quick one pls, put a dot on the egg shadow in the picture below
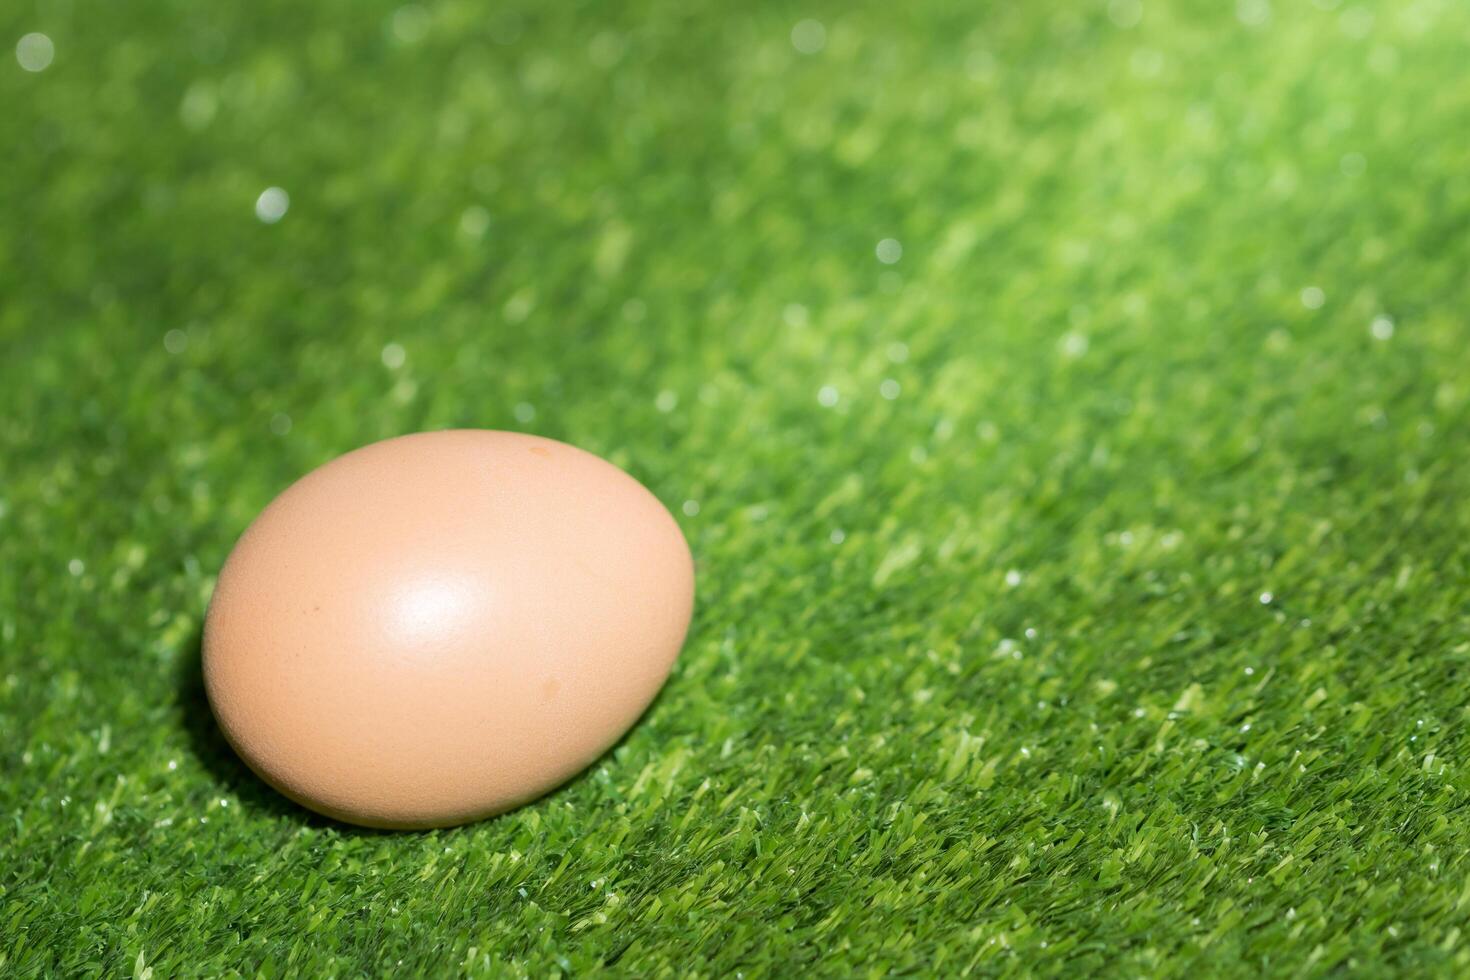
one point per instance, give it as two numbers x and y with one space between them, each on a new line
208 745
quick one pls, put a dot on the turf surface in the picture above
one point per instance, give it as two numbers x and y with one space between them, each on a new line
1084 570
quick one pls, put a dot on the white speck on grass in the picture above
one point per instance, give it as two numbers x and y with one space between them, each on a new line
1253 13
1384 59
889 389
795 315
1014 577
524 412
606 49
272 204
1146 63
1266 598
35 52
1250 671
666 401
474 221
690 508
809 36
175 341
1312 298
173 764
519 306
889 251
1381 328
1356 22
1074 345
198 106
76 567
410 23
837 536
1125 13
827 396
393 356
980 65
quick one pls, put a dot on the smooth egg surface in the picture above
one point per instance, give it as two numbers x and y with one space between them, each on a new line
443 626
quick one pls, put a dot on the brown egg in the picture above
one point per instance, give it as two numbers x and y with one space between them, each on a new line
440 627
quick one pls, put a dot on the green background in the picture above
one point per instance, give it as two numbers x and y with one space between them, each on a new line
1088 590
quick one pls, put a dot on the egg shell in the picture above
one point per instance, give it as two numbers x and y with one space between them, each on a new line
440 627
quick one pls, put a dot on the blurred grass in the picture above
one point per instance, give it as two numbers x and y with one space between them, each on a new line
1086 590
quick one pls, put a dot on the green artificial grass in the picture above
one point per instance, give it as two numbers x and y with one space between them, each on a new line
1085 589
